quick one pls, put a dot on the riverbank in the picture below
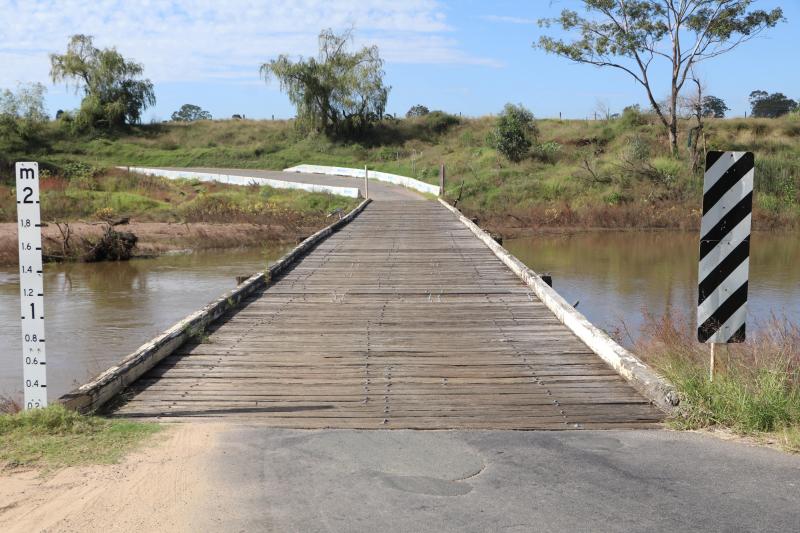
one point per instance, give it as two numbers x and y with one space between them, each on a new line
159 238
83 202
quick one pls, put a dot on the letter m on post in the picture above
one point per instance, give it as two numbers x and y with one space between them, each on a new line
26 174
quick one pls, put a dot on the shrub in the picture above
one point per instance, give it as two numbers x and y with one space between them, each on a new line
666 170
78 169
514 133
105 213
440 122
547 152
616 198
632 117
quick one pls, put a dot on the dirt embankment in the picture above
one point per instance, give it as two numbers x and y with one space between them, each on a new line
560 218
164 487
155 238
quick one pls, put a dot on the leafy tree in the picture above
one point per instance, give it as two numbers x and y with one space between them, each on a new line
114 94
417 111
22 116
630 35
713 106
772 105
190 113
339 93
514 133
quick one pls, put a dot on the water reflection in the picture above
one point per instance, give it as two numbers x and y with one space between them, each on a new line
97 313
617 275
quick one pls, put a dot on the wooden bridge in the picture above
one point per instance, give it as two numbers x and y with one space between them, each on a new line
401 319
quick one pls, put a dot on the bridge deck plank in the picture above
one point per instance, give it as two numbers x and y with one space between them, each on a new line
402 319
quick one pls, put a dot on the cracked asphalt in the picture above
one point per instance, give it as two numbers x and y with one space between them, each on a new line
402 480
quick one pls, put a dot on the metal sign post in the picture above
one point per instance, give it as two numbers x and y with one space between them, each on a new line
725 249
31 285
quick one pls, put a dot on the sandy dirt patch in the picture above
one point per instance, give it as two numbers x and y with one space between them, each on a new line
165 486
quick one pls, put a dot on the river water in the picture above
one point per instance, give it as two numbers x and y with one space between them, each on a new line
98 313
618 276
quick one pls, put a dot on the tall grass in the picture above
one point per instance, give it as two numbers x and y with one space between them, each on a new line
756 389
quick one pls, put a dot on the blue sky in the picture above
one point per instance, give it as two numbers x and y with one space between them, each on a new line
464 56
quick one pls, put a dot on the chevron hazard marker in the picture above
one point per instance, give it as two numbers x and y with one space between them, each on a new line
725 247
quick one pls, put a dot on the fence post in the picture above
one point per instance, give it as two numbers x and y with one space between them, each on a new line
366 182
441 180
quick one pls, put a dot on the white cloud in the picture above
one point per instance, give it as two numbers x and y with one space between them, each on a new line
204 40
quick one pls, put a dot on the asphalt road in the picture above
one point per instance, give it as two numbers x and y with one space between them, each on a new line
377 190
352 481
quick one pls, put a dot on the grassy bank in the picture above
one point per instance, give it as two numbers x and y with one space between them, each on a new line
56 437
755 392
76 201
604 173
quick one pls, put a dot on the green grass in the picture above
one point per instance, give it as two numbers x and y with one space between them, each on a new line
595 173
756 388
55 437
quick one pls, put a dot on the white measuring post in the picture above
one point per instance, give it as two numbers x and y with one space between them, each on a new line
31 285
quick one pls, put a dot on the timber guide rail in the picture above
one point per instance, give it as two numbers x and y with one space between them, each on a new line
401 318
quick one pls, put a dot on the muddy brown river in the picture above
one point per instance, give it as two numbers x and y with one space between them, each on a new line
618 276
98 313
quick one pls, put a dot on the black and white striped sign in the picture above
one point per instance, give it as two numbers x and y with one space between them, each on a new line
725 247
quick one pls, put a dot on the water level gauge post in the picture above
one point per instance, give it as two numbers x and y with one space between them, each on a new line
31 286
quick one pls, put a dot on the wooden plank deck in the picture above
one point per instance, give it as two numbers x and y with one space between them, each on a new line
402 319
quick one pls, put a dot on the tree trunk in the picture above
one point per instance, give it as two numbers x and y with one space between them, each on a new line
673 136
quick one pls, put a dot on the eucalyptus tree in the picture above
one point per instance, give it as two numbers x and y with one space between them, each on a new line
635 35
190 113
339 93
713 106
114 93
766 105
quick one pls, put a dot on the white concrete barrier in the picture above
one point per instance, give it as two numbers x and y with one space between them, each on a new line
351 192
396 179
